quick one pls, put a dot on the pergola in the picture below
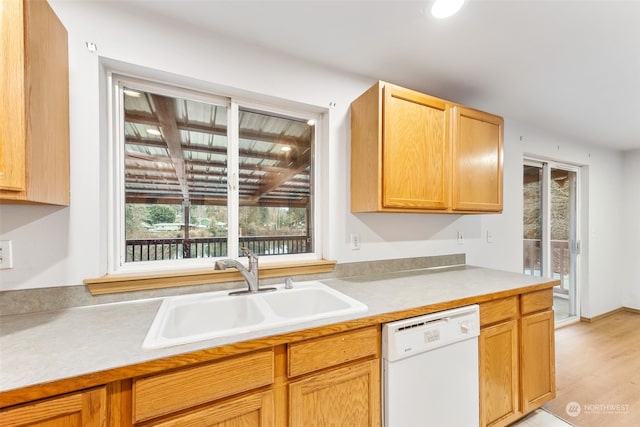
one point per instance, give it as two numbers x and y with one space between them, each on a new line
176 153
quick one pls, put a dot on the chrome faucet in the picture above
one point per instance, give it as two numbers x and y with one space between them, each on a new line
251 275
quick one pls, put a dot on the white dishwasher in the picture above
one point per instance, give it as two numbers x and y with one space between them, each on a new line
430 370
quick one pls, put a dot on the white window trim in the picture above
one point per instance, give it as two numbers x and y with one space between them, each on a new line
115 241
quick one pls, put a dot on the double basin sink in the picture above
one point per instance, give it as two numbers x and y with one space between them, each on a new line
198 317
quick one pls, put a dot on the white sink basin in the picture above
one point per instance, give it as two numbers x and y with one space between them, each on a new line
198 317
214 314
306 302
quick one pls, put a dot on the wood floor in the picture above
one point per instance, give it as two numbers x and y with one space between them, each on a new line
598 372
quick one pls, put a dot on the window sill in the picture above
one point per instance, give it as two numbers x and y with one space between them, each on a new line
111 284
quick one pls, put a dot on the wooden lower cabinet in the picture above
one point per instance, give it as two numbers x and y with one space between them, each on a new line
538 360
83 409
181 389
255 410
347 396
329 380
499 374
326 380
517 357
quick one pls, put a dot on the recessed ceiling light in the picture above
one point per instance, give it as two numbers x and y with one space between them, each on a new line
445 8
133 93
155 132
285 148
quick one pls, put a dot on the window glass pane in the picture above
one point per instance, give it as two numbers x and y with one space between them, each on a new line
532 220
175 177
275 155
562 224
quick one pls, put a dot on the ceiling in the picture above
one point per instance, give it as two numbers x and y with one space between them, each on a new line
176 151
569 68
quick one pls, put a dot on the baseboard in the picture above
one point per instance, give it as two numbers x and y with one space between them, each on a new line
609 313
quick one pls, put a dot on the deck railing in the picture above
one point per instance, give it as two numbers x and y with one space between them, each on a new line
559 258
212 247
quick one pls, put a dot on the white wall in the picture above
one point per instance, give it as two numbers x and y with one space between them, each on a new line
631 233
601 274
63 246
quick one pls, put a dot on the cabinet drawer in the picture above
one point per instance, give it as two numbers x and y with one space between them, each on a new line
536 301
168 392
498 310
319 353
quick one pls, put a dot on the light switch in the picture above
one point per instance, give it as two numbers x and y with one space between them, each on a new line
355 241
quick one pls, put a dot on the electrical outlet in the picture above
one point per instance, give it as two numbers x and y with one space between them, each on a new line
6 255
355 241
489 237
460 238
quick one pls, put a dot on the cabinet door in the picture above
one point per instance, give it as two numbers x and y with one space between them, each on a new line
34 118
343 397
538 360
86 409
477 161
415 150
256 410
498 347
12 113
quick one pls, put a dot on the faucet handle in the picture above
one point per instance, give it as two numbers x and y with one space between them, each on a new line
247 252
288 283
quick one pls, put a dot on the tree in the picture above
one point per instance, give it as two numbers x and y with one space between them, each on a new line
161 213
135 220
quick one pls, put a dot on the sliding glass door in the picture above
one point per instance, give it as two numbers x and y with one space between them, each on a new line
550 222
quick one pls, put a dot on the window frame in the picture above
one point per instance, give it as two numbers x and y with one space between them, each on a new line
234 101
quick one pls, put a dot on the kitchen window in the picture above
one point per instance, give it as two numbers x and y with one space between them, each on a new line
196 176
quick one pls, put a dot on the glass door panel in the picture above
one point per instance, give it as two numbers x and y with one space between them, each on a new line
550 223
563 237
532 220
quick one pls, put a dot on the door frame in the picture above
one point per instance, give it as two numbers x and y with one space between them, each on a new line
575 240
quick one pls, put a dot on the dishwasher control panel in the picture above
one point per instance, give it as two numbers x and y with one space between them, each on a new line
424 333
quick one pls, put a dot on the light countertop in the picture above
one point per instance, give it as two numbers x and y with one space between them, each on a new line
43 347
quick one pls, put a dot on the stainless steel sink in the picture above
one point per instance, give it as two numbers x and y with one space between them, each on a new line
197 317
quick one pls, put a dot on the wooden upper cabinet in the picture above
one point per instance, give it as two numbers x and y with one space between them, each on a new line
412 152
12 118
399 151
34 118
477 161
